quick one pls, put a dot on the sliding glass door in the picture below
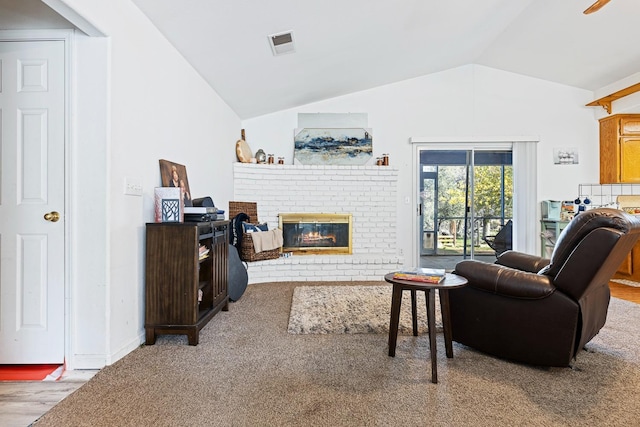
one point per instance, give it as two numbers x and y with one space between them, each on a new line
466 204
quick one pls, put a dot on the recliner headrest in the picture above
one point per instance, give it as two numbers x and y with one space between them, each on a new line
582 225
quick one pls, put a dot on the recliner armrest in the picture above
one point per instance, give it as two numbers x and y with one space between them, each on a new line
505 281
522 261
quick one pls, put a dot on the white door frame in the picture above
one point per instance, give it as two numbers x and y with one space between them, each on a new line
524 181
67 37
87 338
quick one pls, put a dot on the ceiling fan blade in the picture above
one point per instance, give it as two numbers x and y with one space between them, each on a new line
596 6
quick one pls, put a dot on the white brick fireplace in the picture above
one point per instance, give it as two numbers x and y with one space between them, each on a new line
369 193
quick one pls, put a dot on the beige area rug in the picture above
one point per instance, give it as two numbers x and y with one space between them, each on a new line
353 310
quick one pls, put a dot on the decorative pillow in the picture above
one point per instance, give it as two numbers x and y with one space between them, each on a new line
250 228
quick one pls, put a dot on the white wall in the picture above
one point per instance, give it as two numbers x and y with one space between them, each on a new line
88 291
469 101
157 107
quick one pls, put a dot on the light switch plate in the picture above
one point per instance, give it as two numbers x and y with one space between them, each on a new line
133 186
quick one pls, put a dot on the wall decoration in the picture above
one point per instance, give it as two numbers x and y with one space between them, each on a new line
565 156
327 146
169 204
175 175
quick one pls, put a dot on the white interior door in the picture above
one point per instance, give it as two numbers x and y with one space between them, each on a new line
32 122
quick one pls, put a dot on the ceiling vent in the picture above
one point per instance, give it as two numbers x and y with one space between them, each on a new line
282 43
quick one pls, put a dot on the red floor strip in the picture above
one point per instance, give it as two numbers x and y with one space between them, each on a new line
26 372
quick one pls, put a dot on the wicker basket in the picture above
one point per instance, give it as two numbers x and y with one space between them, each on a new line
250 208
247 253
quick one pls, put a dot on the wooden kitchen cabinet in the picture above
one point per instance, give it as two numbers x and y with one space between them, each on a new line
620 149
630 267
186 277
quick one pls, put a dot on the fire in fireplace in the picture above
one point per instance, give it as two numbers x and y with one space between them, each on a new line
316 233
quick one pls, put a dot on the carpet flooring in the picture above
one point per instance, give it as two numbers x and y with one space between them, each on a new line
248 370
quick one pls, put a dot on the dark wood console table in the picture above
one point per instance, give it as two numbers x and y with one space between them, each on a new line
186 277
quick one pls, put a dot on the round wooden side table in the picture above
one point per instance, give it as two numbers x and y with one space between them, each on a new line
451 281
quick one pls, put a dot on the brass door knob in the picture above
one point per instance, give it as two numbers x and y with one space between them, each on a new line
52 216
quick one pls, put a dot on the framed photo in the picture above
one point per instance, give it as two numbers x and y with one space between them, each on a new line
168 204
175 175
565 156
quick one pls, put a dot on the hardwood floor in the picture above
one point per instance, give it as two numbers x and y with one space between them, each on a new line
629 293
21 403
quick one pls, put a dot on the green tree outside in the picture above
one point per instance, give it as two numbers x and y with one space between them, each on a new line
488 202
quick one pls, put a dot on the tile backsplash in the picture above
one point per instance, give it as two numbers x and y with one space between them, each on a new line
606 194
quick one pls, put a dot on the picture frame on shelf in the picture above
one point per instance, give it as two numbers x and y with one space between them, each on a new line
175 175
169 204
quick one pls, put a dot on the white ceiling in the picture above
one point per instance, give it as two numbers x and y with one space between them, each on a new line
345 46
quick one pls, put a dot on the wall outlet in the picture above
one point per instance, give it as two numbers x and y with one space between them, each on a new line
133 186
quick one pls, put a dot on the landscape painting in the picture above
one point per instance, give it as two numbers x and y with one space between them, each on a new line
339 146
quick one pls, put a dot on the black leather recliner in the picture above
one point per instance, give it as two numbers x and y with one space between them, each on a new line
539 311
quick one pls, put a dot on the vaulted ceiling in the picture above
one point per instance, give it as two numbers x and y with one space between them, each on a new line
345 46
